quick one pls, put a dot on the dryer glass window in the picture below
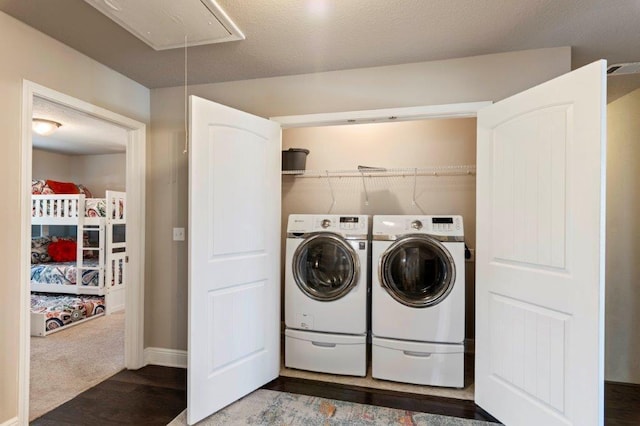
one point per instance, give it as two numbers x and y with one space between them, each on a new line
417 271
325 267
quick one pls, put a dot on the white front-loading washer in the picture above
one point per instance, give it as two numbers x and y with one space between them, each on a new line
418 299
326 269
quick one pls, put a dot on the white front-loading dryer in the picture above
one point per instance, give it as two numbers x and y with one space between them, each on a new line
418 299
326 292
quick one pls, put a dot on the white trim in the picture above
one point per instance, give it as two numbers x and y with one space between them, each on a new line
135 184
460 110
10 422
165 357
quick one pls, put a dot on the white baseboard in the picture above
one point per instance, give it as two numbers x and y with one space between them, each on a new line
10 422
165 357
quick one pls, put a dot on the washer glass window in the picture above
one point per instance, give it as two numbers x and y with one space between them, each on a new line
325 267
417 271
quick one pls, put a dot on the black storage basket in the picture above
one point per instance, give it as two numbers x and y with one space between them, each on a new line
294 159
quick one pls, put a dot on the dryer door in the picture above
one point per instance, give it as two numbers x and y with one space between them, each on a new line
325 267
417 271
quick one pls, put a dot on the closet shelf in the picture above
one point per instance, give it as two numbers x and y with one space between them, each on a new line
467 170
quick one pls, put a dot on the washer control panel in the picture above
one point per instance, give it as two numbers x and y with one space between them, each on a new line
350 222
445 224
346 225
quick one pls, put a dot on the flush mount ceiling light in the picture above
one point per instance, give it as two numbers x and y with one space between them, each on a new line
44 127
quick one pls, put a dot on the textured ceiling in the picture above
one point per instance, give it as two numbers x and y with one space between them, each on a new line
287 37
80 134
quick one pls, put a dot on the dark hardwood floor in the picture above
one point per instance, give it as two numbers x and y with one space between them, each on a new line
156 395
384 398
150 396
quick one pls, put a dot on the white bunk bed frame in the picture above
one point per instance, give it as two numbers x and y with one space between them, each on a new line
69 209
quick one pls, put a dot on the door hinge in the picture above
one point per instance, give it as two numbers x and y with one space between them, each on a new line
126 259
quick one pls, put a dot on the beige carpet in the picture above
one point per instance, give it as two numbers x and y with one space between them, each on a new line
66 363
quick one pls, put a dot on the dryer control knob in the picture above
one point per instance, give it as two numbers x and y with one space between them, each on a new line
325 223
416 224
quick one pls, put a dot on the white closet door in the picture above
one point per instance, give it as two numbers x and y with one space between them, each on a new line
234 255
540 253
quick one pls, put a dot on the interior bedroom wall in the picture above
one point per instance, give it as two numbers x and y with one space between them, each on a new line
96 172
102 172
51 165
29 54
480 78
622 310
406 144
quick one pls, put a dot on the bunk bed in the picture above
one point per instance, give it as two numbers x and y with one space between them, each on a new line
88 278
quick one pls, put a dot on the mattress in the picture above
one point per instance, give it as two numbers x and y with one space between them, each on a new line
64 273
63 310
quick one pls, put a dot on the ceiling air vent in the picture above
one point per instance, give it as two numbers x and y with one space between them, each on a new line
163 24
620 69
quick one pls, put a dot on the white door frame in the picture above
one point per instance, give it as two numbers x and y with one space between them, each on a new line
135 187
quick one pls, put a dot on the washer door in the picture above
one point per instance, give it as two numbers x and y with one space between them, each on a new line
325 267
417 271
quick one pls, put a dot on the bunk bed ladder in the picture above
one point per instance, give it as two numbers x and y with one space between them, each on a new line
81 228
116 252
79 212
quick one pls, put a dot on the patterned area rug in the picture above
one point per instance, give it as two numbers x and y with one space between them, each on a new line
267 407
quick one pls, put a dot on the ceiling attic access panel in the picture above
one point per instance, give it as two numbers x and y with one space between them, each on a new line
164 24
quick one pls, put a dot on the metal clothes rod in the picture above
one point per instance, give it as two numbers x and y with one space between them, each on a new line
403 172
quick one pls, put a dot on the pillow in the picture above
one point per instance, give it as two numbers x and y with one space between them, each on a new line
63 187
40 250
36 186
63 250
84 190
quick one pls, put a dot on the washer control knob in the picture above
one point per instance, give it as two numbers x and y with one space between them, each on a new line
325 223
416 224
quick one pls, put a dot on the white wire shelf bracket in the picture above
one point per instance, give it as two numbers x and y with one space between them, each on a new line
372 172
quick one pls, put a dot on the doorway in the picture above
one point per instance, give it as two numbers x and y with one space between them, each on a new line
135 135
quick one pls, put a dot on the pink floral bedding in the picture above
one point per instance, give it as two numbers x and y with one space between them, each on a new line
94 207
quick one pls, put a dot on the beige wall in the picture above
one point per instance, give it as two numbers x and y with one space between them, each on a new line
50 165
96 172
409 144
622 355
102 172
28 54
481 78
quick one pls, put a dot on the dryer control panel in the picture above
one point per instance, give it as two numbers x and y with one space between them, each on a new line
432 225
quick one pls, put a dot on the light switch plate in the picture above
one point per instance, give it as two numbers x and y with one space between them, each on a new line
178 234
